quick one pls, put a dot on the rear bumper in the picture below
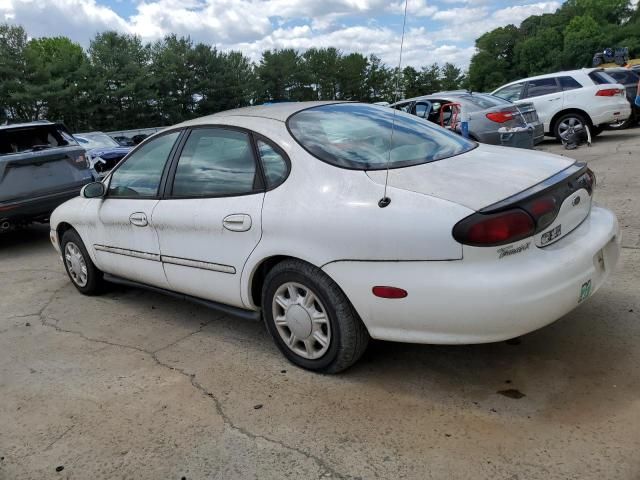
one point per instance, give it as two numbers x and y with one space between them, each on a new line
483 299
613 114
493 137
35 208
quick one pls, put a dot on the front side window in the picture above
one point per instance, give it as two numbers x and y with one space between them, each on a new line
358 136
274 165
215 162
140 174
510 92
542 86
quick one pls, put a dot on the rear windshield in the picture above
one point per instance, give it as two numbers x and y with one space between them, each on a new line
96 140
600 78
485 101
32 138
358 136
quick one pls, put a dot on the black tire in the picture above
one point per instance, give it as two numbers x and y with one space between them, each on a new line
94 277
349 337
567 117
596 130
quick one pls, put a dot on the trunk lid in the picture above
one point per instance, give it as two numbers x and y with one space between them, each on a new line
479 178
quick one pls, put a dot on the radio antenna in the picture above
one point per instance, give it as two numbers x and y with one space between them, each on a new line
385 200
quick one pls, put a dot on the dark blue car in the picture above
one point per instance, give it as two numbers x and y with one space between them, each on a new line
103 152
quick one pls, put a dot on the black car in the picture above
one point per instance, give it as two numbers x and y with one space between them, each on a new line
41 166
629 79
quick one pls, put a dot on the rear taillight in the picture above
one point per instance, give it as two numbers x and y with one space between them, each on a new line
543 210
500 117
587 181
610 92
484 230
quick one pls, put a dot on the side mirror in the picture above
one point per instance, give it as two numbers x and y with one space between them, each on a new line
93 190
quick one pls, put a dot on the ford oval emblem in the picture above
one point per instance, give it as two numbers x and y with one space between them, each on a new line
576 201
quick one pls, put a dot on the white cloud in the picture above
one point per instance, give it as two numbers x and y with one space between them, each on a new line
366 26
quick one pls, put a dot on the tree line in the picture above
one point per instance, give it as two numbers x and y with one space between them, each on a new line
564 40
120 82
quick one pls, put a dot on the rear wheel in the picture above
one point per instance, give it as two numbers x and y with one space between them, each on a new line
568 123
84 275
310 319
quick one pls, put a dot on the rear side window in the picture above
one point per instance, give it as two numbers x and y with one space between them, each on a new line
510 92
140 174
33 138
215 162
542 86
358 136
274 164
569 83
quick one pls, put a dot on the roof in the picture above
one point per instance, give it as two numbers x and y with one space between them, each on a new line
274 111
26 124
452 93
581 71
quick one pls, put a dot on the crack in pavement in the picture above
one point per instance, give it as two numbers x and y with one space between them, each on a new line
326 470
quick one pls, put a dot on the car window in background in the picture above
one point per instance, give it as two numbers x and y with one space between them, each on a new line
96 140
140 174
625 77
33 137
511 92
422 109
358 136
215 162
542 86
274 164
569 83
404 107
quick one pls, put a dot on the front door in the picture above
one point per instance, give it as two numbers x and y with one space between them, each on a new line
211 217
125 240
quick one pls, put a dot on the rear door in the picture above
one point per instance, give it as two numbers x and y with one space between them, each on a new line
546 94
210 219
37 160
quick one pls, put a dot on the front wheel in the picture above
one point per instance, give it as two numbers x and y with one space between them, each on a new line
84 275
310 319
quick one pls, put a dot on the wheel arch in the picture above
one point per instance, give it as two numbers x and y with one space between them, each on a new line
564 111
260 271
61 228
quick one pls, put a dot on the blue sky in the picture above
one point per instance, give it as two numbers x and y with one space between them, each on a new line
437 30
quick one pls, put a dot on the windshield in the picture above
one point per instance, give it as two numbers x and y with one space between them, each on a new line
96 140
357 136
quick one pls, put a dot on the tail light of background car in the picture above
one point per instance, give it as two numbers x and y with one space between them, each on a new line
500 117
611 92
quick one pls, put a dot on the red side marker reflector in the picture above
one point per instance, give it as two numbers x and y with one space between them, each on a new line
389 292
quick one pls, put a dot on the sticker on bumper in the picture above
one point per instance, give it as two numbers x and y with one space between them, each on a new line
585 291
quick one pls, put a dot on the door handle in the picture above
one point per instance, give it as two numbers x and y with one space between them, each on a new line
554 99
237 222
138 219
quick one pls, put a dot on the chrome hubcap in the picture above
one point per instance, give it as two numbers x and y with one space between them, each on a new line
301 320
570 124
75 264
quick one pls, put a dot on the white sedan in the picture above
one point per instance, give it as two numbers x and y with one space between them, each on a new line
280 212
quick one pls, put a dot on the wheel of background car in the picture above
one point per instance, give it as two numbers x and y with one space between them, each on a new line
83 273
310 319
596 130
568 121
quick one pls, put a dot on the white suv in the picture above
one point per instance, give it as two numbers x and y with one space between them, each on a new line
571 99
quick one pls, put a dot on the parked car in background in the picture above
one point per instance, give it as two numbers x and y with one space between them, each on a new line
571 100
629 79
41 166
124 141
278 212
103 152
487 113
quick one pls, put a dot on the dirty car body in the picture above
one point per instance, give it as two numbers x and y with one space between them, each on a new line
275 211
41 166
487 113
